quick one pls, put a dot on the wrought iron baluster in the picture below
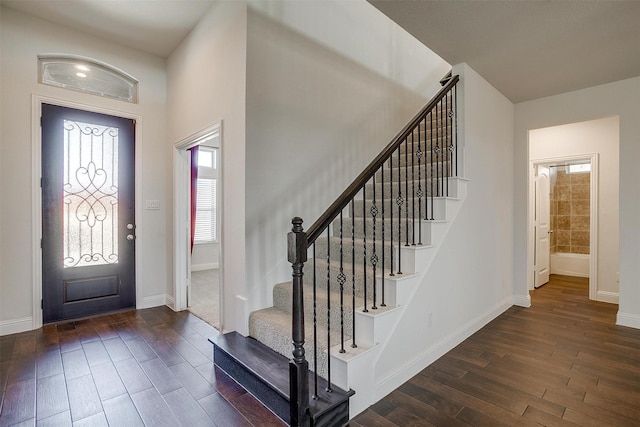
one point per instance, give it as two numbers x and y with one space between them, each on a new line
382 304
455 117
419 156
399 202
328 388
432 184
374 256
341 279
413 189
353 273
315 328
449 144
364 245
392 270
406 188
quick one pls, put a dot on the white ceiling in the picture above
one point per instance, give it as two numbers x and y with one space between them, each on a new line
529 49
153 26
526 49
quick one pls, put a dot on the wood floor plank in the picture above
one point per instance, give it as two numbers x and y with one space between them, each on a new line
49 363
153 410
132 375
222 412
75 364
192 380
117 349
62 419
19 403
83 397
121 412
161 377
51 395
107 381
186 410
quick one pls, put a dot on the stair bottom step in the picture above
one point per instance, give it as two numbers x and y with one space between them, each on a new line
265 374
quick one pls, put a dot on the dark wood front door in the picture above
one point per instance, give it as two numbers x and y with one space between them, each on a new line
88 199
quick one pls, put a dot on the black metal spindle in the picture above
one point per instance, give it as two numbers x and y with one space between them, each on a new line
413 190
419 156
374 256
431 164
448 142
382 304
406 188
353 274
364 245
455 116
399 202
341 280
392 270
315 328
328 388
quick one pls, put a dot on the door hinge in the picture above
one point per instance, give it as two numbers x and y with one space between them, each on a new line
41 182
42 304
40 243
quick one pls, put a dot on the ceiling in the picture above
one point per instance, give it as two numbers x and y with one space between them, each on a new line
153 26
526 49
529 49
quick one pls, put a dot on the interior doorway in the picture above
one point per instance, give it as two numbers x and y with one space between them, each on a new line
585 154
197 225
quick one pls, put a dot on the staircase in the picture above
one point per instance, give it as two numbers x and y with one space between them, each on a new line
366 257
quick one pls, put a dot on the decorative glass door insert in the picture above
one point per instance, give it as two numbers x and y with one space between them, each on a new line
90 194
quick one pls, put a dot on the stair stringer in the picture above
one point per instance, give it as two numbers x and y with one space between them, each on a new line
355 368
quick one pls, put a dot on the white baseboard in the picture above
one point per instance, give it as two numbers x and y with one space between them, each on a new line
628 319
155 301
522 300
201 267
607 296
14 326
171 302
436 351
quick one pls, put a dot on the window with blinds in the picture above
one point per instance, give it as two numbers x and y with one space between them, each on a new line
206 211
206 198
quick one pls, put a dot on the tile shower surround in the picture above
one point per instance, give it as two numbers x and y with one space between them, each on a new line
570 216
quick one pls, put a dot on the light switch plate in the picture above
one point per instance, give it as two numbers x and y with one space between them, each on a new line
153 204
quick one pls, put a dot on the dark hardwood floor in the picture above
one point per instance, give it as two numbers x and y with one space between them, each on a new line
561 362
148 367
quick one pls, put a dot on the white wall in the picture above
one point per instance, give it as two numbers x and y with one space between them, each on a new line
600 137
206 85
328 85
22 39
205 256
469 281
614 99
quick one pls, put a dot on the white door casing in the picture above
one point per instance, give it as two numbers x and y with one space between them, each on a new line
542 226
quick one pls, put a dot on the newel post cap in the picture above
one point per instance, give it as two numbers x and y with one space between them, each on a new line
297 242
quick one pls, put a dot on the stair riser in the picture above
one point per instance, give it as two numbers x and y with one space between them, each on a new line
334 285
282 297
281 343
389 232
349 252
440 170
408 209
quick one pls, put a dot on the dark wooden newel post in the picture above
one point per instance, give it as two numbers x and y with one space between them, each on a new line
298 366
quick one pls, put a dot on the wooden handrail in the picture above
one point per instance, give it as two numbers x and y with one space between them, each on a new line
336 207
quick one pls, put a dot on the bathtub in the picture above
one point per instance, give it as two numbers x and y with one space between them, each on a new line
569 264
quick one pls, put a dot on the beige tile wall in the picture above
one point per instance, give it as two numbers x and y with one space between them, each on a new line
570 216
